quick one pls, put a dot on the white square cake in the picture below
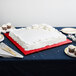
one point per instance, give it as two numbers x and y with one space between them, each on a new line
37 36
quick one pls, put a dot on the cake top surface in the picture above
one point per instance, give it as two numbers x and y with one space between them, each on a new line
37 33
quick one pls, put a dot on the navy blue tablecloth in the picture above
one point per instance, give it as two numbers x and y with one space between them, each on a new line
50 61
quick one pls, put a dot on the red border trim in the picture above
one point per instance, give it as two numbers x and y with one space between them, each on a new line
35 50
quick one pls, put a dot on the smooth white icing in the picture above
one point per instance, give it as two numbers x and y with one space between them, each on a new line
37 36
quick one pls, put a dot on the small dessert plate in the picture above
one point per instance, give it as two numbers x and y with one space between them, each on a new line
1 37
68 30
68 53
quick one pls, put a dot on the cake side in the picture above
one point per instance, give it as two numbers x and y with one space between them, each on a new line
35 37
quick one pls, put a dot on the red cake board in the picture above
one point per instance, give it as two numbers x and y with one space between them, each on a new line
25 52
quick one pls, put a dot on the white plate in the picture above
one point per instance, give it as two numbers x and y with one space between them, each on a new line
68 53
68 30
1 37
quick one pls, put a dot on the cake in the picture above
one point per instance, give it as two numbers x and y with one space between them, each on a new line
75 51
4 27
37 36
8 25
71 48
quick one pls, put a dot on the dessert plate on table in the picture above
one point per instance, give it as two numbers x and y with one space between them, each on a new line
1 37
68 53
68 30
25 52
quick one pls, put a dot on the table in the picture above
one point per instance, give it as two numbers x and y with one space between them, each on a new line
48 62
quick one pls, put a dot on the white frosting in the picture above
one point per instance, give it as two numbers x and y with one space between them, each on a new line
8 24
4 25
37 36
71 46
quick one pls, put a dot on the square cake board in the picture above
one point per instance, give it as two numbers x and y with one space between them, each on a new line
25 52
